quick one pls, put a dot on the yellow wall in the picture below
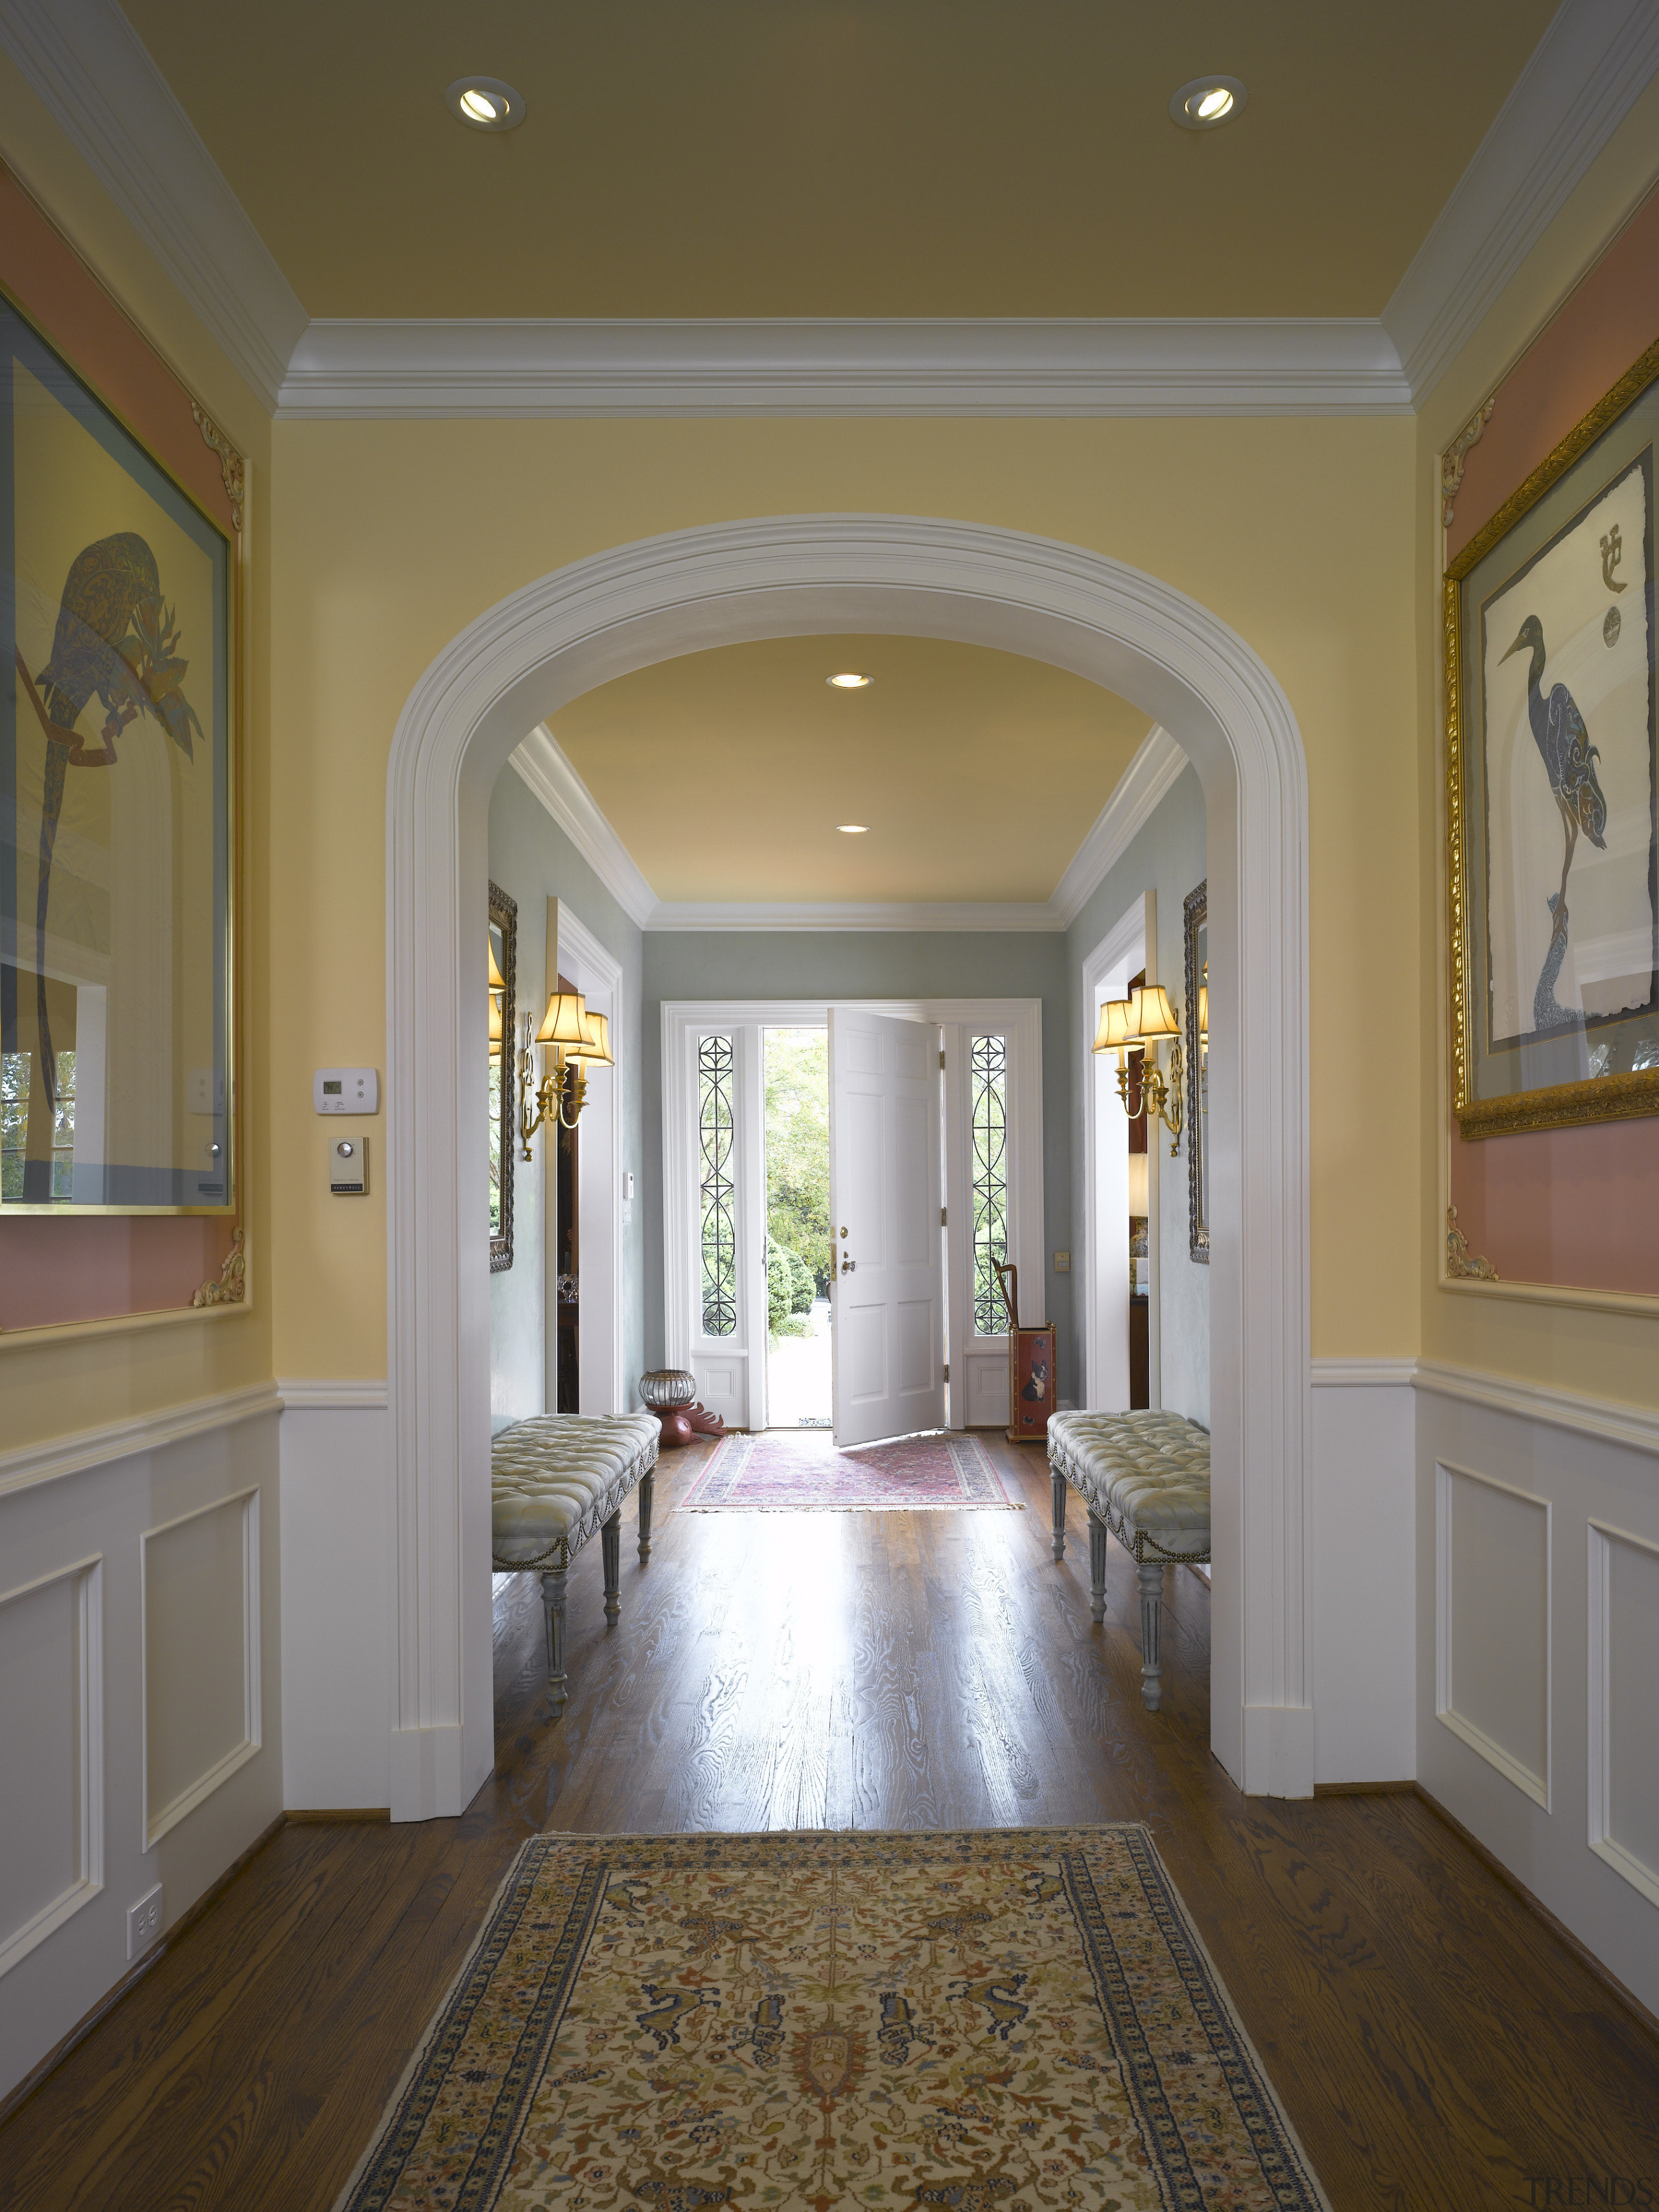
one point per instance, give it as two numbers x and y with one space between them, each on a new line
372 544
79 1379
1569 1344
388 537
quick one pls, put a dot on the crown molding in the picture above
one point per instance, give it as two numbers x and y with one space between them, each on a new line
824 366
97 81
993 915
1587 71
1142 784
541 763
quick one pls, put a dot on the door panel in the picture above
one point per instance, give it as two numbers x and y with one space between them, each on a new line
885 1173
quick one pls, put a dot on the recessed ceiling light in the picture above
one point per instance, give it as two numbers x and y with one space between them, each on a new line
847 681
854 829
1207 102
485 103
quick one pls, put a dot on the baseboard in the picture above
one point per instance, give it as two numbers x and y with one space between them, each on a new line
1345 1789
1581 1950
136 1972
331 1812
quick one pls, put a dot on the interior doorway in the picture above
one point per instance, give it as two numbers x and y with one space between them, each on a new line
565 1303
795 1079
784 576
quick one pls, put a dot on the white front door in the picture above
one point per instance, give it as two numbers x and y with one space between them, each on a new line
887 1299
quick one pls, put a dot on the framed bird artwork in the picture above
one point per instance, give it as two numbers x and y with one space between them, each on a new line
117 593
1553 781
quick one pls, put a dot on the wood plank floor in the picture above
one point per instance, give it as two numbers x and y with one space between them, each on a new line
1435 2044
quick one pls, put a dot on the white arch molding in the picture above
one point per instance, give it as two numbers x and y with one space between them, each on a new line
792 576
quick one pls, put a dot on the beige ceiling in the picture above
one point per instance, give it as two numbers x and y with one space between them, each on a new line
727 773
842 157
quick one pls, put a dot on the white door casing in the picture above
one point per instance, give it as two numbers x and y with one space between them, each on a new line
1127 947
888 1295
633 605
601 1388
977 1394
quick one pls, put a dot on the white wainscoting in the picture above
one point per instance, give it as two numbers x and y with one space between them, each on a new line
140 1716
338 1528
1537 1580
1364 1572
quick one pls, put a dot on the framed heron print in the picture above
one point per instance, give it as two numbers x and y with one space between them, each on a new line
1552 786
118 607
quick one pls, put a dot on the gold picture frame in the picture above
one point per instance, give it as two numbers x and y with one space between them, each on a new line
189 1164
1592 1055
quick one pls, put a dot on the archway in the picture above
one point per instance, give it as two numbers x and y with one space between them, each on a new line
791 576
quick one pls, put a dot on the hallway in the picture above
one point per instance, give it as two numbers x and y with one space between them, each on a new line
1434 2044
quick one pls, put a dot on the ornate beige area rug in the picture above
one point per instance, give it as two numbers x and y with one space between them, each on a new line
1002 2021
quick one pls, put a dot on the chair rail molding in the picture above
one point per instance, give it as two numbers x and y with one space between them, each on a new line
26 1465
515 666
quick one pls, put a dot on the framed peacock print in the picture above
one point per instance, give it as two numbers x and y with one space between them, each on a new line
118 594
1553 784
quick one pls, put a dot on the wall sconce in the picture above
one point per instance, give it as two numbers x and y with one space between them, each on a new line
1145 1017
570 1037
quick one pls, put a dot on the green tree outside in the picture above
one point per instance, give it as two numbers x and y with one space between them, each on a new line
798 1164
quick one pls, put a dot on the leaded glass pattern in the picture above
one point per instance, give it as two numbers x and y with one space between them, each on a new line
989 1120
714 1143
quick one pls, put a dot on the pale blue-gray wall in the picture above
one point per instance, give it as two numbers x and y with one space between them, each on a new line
1167 857
533 861
870 964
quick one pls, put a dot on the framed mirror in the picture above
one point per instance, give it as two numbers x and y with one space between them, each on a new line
503 984
1197 1022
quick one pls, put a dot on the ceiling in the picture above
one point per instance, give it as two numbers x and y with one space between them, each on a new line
726 772
766 158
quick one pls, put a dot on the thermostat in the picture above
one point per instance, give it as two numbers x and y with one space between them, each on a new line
346 1091
348 1166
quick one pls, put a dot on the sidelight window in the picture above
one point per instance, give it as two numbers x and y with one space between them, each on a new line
715 1134
988 1121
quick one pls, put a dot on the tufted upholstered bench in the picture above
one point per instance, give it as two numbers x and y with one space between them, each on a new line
1145 1479
553 1482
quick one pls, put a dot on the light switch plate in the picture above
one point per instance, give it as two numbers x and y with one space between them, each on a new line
346 1091
347 1167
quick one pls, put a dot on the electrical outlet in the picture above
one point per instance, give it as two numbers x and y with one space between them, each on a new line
143 1921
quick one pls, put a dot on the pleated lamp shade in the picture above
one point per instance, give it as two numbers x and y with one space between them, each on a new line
598 1046
1204 1009
567 1020
497 980
1138 1199
1113 1033
1151 1015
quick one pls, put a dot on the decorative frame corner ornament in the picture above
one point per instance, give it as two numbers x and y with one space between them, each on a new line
1463 1266
233 469
1452 460
230 1287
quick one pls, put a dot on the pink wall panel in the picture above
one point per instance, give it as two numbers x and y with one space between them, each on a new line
1569 1206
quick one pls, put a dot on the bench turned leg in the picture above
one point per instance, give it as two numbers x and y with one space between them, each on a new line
1097 1565
1060 1517
647 1491
611 1544
1151 1622
554 1580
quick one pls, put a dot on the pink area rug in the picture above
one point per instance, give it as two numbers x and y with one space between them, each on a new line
793 1474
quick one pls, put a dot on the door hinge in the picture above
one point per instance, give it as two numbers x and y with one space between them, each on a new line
941 1217
941 1058
947 1370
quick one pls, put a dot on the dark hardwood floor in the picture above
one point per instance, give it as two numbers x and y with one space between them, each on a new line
1434 2042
